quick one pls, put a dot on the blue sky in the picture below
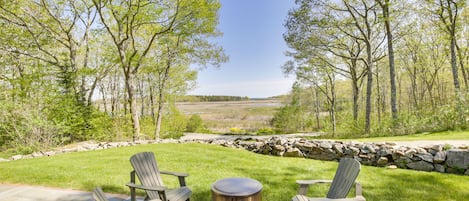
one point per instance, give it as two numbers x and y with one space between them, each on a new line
253 40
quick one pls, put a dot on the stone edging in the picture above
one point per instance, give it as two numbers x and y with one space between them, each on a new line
439 158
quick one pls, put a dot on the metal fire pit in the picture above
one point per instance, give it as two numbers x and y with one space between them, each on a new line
236 189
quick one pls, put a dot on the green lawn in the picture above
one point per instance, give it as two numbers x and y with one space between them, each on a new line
207 163
447 135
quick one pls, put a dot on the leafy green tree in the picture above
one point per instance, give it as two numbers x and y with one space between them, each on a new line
139 27
292 116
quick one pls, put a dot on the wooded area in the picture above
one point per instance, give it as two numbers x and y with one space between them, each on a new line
74 70
378 67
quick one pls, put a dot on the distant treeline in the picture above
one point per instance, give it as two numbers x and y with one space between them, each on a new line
212 98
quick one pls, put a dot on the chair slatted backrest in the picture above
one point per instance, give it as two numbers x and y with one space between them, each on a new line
98 195
344 178
147 171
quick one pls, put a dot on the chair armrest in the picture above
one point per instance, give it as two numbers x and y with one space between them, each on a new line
309 182
304 185
358 192
181 176
150 188
178 174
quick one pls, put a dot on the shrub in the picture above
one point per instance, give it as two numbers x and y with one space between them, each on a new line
237 131
27 129
265 131
173 124
101 126
195 124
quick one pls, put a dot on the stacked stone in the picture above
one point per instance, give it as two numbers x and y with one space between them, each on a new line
440 158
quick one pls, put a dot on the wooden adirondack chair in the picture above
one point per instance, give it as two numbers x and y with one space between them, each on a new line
98 195
146 169
343 180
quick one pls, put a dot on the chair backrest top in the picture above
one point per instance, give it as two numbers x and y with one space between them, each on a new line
344 178
147 171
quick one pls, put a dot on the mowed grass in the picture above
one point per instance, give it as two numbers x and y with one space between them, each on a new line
447 135
207 163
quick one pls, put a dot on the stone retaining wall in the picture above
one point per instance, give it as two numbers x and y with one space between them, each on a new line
440 158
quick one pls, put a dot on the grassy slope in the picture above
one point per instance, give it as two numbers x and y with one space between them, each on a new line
208 163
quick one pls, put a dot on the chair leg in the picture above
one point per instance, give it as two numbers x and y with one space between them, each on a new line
132 194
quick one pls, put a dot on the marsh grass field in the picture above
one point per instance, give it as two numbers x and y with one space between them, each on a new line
220 117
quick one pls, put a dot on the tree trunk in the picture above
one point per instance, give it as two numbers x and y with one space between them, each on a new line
461 64
392 74
318 110
333 103
355 89
159 118
133 106
454 66
369 87
162 87
152 100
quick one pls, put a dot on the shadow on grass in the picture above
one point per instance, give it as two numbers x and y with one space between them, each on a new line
281 186
201 195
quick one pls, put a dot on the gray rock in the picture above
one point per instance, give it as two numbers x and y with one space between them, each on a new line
385 151
426 157
403 161
37 154
17 157
339 149
437 147
390 143
3 160
370 148
410 153
49 153
457 158
278 148
306 146
352 151
439 168
265 149
280 141
90 146
397 155
421 165
325 145
391 167
382 161
421 150
439 157
293 152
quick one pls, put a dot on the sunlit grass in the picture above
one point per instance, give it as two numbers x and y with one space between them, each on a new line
447 135
208 163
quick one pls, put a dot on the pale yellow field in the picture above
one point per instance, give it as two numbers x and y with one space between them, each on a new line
220 117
